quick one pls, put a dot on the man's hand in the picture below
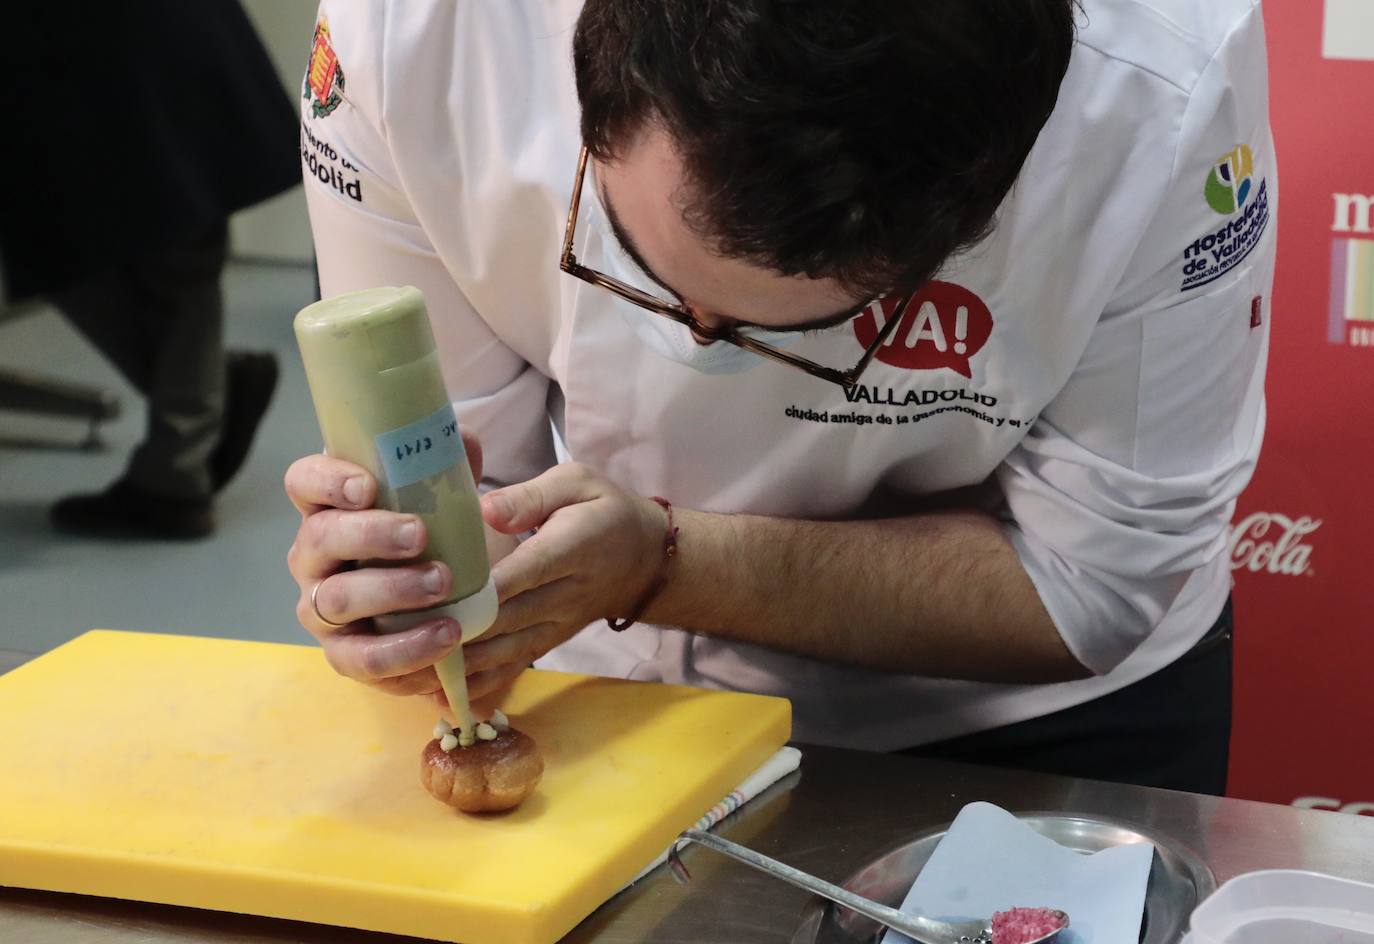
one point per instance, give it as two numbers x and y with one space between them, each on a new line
339 526
598 550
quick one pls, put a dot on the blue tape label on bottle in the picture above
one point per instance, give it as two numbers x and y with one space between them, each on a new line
421 449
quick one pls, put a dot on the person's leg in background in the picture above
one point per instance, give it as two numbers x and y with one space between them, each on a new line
185 317
1171 729
160 320
99 308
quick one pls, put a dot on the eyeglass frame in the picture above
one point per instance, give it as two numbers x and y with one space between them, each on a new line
567 262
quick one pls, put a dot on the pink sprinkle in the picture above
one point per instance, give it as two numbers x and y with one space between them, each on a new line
1024 925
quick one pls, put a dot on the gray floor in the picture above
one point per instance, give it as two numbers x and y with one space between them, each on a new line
235 584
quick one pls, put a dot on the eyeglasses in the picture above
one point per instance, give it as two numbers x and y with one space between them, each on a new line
569 264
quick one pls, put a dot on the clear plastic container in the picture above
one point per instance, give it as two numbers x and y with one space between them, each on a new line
1286 907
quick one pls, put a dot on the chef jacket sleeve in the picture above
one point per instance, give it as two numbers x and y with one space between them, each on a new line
367 234
1127 481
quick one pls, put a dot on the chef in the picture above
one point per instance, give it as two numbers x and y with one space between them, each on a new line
904 360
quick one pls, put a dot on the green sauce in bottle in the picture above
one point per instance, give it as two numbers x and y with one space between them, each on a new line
380 399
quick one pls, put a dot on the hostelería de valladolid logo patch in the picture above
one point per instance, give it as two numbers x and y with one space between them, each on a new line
1235 191
324 78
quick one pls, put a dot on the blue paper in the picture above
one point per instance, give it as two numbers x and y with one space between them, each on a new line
426 447
990 861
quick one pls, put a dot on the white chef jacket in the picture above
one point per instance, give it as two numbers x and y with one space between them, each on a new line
1100 356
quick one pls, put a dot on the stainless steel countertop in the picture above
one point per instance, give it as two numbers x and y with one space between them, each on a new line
842 809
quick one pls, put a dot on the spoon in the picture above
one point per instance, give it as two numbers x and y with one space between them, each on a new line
921 929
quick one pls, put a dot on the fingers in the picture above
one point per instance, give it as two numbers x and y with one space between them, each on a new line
320 481
327 538
520 648
494 661
492 665
487 688
549 556
423 682
361 594
554 602
491 687
518 508
473 446
377 659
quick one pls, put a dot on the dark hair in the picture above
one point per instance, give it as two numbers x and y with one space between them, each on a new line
861 140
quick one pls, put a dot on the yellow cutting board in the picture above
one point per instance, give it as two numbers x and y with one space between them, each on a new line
248 777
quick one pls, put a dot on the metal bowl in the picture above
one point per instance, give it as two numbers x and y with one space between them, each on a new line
1179 879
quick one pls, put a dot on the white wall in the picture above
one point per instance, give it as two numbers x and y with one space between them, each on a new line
278 229
1348 31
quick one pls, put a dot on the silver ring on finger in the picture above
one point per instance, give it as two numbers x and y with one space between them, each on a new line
315 605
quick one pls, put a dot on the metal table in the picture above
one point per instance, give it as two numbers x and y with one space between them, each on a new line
841 810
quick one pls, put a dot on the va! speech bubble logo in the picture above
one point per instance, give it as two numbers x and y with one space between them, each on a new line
944 326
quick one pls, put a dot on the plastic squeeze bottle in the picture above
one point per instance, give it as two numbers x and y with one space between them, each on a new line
380 399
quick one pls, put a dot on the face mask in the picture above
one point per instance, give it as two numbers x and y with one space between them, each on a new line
665 337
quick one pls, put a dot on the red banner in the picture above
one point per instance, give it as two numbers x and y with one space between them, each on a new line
1304 597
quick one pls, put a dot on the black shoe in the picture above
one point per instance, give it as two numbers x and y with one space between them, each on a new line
251 377
127 511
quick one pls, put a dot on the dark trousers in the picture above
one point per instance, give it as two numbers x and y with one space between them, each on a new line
160 320
1171 729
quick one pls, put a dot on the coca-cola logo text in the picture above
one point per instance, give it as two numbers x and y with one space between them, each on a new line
1272 543
944 325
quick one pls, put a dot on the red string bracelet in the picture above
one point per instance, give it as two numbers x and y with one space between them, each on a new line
669 552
